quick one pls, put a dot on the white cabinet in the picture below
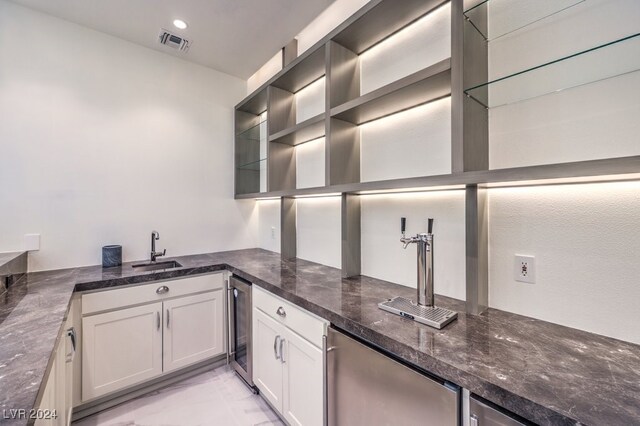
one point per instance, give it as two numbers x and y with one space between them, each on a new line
267 367
121 348
194 328
302 399
57 398
174 324
287 363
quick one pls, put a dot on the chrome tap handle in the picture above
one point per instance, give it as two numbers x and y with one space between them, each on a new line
403 224
407 240
430 226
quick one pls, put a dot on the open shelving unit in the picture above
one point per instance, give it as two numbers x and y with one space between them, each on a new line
463 77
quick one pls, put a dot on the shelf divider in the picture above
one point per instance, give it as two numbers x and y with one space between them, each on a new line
429 84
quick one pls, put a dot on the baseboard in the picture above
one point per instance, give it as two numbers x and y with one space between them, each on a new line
120 397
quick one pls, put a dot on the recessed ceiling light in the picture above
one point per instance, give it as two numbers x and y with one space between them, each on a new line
179 23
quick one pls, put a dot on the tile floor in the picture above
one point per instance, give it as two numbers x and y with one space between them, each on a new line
217 397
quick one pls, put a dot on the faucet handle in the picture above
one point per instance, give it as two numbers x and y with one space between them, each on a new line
430 226
403 224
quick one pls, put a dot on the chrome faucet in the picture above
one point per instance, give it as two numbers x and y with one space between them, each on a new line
425 261
155 235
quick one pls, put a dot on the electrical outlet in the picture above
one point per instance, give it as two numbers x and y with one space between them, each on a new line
273 232
525 269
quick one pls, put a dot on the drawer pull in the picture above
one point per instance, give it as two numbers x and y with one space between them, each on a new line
281 312
162 290
282 353
275 347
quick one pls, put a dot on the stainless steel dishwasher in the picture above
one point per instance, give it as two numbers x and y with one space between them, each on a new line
481 414
366 387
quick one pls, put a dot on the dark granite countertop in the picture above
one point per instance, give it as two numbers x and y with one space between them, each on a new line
544 372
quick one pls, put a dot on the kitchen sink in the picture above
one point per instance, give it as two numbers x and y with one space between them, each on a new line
156 266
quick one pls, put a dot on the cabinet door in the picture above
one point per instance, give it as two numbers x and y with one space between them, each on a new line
267 367
48 403
120 349
193 329
302 393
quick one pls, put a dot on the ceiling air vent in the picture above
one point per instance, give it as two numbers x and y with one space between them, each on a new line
174 41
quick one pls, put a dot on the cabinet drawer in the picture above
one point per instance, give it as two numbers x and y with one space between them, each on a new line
147 293
306 324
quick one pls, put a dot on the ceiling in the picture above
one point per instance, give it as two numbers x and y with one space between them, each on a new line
233 36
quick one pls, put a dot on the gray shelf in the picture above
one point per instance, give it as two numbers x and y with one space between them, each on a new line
306 131
256 103
424 86
610 169
381 20
302 72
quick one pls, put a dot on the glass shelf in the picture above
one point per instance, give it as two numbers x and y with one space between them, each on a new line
252 133
254 165
497 18
596 64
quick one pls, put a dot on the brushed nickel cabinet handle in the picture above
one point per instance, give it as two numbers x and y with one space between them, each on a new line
163 289
230 332
167 318
158 320
281 312
282 353
275 347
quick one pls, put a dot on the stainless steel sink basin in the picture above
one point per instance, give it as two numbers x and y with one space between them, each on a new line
156 266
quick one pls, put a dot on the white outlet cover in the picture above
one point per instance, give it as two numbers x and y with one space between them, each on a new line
31 242
525 269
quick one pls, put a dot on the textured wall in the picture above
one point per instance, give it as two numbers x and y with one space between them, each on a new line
586 240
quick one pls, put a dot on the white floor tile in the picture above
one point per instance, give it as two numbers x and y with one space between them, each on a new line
217 397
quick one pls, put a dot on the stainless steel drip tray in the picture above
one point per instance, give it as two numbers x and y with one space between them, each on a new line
431 316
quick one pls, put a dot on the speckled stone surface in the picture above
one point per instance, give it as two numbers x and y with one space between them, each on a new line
544 372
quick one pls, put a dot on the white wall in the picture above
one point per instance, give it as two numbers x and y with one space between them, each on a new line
310 164
318 230
103 141
382 253
423 43
269 224
586 241
416 142
310 100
